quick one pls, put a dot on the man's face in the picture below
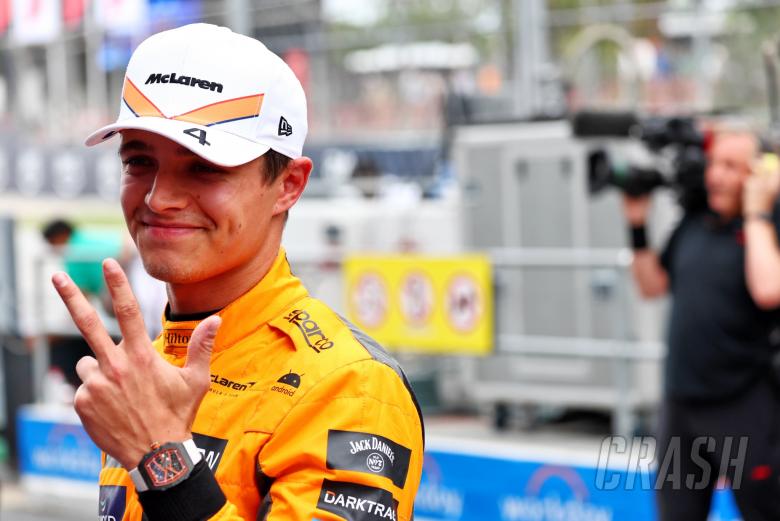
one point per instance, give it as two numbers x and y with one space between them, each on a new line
193 220
730 162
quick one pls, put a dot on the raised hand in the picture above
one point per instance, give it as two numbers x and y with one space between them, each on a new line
636 209
130 397
761 189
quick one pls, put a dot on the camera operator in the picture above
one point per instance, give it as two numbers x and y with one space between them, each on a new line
721 267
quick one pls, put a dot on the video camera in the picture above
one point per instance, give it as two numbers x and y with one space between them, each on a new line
672 154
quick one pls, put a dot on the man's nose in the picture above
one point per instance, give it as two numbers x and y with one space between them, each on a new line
714 173
165 193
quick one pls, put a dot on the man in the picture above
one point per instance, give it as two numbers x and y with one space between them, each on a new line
256 401
722 268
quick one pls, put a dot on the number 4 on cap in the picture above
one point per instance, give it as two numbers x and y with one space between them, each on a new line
198 134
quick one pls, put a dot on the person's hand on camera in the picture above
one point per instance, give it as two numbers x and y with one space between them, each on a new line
761 190
636 209
131 397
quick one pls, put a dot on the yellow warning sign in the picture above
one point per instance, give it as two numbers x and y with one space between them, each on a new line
421 303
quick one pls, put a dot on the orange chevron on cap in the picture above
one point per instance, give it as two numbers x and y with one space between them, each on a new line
137 102
212 114
224 111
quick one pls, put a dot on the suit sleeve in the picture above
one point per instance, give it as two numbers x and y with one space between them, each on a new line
351 449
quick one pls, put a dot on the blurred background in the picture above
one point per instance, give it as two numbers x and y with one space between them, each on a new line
454 213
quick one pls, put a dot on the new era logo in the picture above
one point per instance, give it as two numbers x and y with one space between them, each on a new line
285 129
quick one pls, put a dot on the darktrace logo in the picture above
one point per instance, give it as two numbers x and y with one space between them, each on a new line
357 502
230 384
158 77
368 453
285 129
312 333
289 380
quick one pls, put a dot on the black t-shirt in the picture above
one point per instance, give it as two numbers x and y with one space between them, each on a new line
719 340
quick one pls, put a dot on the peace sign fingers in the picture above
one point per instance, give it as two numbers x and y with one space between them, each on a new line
85 317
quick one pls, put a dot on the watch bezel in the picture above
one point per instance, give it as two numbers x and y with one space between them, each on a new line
187 455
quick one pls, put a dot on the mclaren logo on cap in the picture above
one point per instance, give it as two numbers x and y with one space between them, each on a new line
285 129
184 80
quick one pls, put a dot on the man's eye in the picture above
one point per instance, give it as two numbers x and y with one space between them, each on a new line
136 162
206 168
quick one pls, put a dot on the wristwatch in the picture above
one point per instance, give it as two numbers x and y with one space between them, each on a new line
762 216
165 466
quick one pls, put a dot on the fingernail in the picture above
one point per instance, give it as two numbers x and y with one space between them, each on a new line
59 279
109 265
214 325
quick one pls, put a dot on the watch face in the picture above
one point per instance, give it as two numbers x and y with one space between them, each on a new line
166 467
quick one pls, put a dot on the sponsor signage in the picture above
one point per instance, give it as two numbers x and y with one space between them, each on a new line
463 486
112 503
357 502
211 449
52 448
368 453
311 331
422 303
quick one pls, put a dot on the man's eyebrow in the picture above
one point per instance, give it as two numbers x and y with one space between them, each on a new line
184 151
135 145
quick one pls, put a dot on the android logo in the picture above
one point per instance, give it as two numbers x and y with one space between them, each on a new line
291 379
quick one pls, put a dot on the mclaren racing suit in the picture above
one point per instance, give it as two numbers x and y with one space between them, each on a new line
306 418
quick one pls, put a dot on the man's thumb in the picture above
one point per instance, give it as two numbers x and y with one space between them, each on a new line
201 344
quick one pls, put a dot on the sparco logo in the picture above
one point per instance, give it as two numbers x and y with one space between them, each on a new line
312 333
158 77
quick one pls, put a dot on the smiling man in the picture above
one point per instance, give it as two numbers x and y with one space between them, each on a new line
257 402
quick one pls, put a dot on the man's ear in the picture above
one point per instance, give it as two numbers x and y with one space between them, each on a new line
291 183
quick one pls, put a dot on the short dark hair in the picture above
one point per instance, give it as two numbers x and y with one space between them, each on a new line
55 228
275 164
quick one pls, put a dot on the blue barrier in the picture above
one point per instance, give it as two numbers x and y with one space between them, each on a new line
460 484
52 444
462 480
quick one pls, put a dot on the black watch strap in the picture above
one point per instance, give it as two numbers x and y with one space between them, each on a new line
760 216
197 498
637 236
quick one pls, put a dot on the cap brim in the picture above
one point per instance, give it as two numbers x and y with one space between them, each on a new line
217 146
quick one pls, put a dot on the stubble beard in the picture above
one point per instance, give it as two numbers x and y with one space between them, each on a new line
172 272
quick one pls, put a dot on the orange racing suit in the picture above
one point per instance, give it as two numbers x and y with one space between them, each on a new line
306 417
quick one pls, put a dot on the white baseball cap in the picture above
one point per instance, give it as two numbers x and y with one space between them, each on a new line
222 95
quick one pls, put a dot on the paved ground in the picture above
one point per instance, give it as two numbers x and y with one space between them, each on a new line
19 505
